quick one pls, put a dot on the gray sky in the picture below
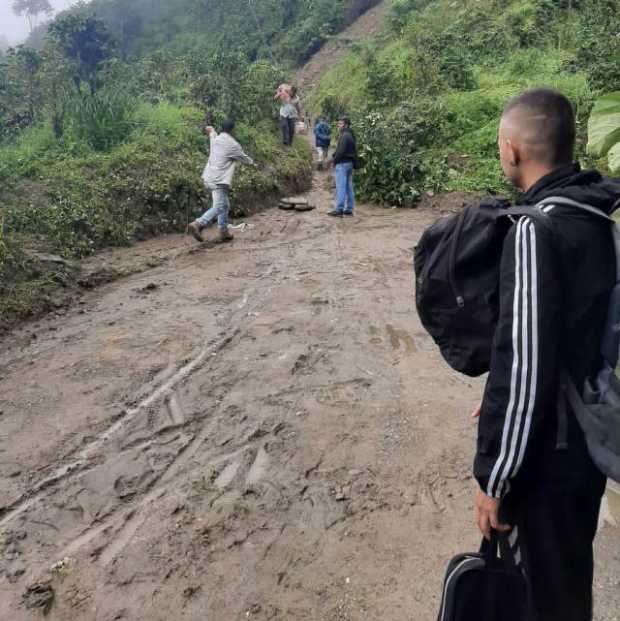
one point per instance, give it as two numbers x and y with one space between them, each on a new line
14 28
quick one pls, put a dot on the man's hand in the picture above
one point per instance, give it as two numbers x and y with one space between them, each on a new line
476 413
486 511
208 130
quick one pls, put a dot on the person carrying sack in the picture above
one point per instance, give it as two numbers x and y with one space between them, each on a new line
289 112
555 280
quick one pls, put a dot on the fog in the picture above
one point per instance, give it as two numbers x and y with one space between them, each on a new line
15 28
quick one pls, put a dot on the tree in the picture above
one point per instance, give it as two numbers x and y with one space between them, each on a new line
123 20
86 42
32 9
56 87
20 89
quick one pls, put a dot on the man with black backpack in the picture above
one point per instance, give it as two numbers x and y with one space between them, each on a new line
538 483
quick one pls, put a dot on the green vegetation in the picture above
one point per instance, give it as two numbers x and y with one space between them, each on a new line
604 130
285 31
425 97
101 115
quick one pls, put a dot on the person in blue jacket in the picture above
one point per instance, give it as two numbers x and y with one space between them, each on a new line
323 137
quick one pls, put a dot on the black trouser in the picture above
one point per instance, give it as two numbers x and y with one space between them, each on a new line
552 541
287 126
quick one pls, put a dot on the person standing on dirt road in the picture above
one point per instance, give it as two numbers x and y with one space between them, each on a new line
217 176
344 161
555 284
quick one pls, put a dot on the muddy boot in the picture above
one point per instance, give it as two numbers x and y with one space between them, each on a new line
194 229
224 236
319 165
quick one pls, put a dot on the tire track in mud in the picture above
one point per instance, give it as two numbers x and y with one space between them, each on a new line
80 464
132 519
152 393
111 532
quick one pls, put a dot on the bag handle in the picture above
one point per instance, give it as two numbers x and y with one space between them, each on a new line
490 549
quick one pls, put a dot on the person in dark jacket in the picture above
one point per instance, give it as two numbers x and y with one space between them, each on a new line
323 138
554 292
344 159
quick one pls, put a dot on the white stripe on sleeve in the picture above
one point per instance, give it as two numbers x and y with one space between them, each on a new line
491 491
534 377
523 381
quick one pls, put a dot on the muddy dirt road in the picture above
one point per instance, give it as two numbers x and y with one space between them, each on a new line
260 430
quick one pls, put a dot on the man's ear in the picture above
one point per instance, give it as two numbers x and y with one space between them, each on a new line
514 153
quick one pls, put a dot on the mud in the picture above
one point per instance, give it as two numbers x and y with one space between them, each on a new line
260 430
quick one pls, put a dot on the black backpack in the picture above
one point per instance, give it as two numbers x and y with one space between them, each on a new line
457 263
482 587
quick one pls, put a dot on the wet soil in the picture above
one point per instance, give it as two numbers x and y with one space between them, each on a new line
259 430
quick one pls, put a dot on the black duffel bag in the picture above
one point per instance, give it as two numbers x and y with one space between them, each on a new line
483 587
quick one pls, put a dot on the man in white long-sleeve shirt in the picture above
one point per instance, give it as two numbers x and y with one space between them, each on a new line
217 176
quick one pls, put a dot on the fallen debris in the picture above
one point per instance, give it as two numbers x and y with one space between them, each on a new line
294 201
295 206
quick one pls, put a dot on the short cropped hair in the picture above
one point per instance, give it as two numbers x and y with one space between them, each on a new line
346 120
228 126
546 119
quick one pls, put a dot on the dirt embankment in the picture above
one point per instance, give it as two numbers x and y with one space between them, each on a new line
368 25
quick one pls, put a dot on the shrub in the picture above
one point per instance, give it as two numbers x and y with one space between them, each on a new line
394 150
101 119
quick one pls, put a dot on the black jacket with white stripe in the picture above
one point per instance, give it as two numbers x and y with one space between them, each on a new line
554 291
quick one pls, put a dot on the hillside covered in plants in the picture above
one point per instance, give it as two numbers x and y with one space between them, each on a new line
101 109
101 113
425 96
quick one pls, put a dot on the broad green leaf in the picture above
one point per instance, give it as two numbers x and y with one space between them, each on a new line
604 125
614 159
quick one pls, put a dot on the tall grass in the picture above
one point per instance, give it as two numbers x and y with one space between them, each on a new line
101 119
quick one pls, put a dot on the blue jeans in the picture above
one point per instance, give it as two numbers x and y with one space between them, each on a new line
344 187
221 205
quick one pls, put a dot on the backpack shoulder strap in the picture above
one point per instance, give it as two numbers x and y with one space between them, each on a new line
561 200
530 212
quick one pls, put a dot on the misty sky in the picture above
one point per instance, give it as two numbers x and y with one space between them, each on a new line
14 28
